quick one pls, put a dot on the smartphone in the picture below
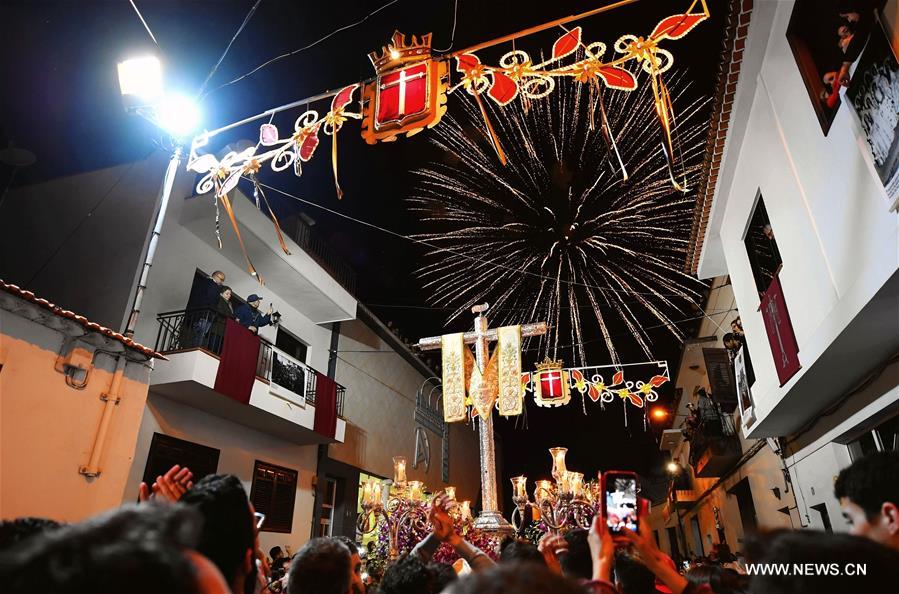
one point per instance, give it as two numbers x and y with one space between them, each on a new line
620 508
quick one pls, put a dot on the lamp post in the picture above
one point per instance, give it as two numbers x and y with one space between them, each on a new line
141 85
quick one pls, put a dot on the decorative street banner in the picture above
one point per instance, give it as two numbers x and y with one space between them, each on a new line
874 93
552 385
780 331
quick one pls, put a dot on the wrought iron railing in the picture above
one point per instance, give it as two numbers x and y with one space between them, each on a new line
187 330
713 428
322 252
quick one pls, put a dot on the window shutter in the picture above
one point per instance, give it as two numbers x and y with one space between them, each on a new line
274 494
721 378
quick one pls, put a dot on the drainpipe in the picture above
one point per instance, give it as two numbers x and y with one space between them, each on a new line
110 399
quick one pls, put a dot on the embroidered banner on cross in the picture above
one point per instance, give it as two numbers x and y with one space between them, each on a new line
455 375
509 352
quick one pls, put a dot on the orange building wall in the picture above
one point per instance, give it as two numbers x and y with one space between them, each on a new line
47 429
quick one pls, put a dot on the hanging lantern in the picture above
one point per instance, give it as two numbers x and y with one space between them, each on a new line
551 384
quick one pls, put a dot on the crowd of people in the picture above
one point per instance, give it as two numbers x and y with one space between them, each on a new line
186 537
213 295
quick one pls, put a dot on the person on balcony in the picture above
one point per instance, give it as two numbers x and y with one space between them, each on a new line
249 315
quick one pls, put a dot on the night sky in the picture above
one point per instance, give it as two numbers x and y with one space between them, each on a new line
61 101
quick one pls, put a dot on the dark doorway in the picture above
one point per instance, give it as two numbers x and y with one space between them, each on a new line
673 546
336 502
698 549
745 506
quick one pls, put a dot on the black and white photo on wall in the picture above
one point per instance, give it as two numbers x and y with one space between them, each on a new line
874 94
288 378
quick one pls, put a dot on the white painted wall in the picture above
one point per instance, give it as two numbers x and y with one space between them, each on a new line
240 448
829 211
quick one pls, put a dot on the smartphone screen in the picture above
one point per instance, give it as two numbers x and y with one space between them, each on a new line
621 502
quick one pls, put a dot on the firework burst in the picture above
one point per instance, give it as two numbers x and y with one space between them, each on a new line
558 234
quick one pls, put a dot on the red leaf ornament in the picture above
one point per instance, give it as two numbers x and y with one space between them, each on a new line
617 78
618 378
676 26
567 43
504 89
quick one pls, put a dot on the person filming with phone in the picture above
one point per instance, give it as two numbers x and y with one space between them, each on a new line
250 316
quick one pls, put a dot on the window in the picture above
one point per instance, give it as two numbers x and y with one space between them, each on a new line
814 40
291 345
764 257
166 451
274 493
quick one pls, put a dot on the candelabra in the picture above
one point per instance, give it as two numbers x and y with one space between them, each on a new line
565 503
405 508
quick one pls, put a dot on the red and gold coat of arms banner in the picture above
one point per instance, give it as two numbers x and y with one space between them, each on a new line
409 93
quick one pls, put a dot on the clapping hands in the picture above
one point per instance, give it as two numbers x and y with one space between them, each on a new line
169 487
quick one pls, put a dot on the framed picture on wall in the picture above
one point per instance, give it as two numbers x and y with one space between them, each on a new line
874 94
288 378
744 395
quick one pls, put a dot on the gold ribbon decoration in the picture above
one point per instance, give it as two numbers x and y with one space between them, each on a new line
334 120
250 268
484 386
456 368
474 79
271 213
509 354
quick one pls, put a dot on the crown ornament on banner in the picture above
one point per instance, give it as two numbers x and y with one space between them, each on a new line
398 52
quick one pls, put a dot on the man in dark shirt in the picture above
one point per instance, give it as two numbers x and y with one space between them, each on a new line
248 314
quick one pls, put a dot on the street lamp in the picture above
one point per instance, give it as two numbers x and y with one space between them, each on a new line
143 92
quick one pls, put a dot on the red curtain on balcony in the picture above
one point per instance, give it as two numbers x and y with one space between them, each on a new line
325 406
781 337
237 365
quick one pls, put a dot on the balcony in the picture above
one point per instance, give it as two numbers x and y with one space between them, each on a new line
312 278
192 341
714 445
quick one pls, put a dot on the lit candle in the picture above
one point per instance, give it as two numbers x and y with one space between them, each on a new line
465 510
558 455
576 483
415 490
366 492
375 492
399 471
564 482
519 485
542 490
451 493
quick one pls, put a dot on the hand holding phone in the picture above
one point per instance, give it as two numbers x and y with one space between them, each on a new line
620 506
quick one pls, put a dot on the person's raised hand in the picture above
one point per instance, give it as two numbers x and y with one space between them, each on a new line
441 522
551 546
602 549
169 487
654 559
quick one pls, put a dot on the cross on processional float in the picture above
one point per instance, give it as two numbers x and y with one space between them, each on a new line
485 381
488 381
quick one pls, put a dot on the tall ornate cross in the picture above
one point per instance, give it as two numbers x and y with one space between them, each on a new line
490 518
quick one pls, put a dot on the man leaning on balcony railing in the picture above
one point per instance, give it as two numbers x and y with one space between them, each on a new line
252 318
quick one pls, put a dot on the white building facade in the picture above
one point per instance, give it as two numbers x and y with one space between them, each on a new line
800 180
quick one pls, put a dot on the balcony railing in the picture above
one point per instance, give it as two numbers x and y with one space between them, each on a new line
204 329
322 252
714 444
